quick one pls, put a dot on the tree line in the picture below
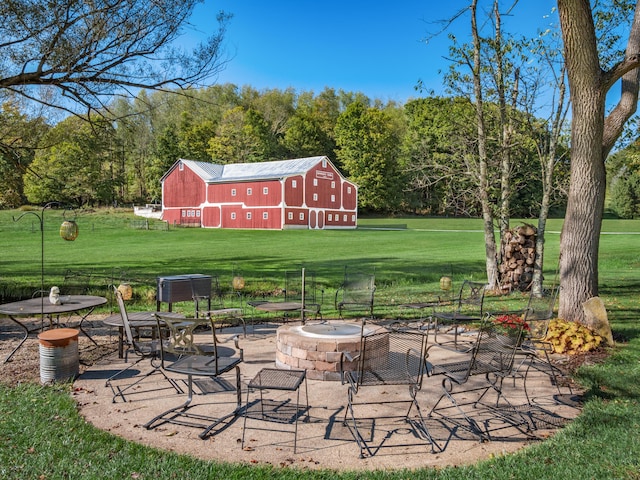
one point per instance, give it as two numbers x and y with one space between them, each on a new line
411 158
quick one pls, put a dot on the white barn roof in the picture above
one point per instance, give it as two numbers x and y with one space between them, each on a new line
244 172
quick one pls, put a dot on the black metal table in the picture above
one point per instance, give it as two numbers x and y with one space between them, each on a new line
277 379
32 307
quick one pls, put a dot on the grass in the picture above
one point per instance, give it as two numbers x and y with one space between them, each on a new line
42 435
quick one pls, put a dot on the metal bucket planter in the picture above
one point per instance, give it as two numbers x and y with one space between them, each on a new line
58 355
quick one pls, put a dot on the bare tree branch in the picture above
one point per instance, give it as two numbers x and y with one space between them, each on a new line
90 51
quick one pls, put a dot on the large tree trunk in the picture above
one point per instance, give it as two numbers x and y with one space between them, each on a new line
581 230
592 137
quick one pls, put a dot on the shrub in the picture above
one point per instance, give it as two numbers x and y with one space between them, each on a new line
572 337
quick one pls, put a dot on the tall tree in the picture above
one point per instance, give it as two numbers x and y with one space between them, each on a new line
593 135
19 134
78 168
75 55
369 144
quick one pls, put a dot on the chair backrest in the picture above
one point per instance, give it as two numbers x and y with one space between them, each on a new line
179 336
129 337
471 297
358 288
392 357
494 350
217 295
294 288
540 311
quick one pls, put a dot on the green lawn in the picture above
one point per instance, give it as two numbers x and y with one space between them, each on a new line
42 436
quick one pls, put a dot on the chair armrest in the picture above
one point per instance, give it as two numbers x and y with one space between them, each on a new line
350 358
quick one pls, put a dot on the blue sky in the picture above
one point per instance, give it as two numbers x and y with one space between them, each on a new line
377 48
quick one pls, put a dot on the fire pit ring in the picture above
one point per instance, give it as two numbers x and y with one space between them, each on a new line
317 348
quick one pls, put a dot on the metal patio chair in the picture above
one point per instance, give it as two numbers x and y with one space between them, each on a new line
535 349
300 287
492 357
467 308
180 355
216 309
356 292
386 358
143 348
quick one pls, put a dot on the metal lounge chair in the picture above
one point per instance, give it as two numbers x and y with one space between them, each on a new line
179 355
535 349
467 308
143 349
386 358
356 293
491 357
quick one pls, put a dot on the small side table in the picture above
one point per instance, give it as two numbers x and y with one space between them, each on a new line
58 355
277 379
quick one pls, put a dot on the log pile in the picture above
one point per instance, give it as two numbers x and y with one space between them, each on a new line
518 257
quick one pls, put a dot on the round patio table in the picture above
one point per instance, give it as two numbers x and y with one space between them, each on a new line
42 306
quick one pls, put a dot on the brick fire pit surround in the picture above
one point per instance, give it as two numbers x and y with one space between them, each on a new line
317 347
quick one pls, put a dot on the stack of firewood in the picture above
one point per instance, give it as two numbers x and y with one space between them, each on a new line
518 257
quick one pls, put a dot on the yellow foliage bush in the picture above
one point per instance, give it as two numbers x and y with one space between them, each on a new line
571 337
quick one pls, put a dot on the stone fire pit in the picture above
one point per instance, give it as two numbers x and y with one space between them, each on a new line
318 347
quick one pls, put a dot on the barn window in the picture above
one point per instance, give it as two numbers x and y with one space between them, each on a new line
233 215
198 213
248 215
265 215
344 217
290 215
324 163
301 215
333 198
329 218
315 182
315 197
353 217
233 192
333 184
348 189
181 166
294 184
249 191
265 191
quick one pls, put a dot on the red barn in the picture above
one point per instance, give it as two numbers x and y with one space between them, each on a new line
300 193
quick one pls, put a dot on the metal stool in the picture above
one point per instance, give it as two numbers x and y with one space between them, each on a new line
276 379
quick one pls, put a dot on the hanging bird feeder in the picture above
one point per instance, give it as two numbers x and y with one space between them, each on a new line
69 229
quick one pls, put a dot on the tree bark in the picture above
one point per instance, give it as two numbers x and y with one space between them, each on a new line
579 242
491 260
590 144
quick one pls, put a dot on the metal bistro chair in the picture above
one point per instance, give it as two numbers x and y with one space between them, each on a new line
386 358
216 309
467 308
491 357
535 349
143 349
180 355
356 292
300 287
